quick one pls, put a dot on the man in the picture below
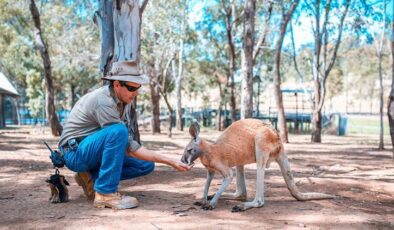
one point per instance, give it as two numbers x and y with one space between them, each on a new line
98 146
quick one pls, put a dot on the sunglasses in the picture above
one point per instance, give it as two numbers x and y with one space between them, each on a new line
129 87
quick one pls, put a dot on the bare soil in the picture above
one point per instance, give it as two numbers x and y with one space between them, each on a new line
350 167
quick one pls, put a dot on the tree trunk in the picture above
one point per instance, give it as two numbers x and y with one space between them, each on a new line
320 67
104 20
219 121
54 123
155 98
277 77
120 31
230 22
179 123
178 80
73 96
247 60
381 91
390 107
381 132
16 104
2 110
170 116
316 115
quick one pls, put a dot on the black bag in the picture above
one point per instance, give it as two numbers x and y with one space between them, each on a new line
58 185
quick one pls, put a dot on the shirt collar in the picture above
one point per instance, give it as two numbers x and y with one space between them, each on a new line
112 93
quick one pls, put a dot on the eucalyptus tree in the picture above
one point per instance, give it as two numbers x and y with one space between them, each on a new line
390 104
373 15
379 54
165 45
247 59
119 22
74 52
277 78
220 46
54 123
327 38
232 19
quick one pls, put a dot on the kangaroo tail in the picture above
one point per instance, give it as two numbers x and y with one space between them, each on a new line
288 176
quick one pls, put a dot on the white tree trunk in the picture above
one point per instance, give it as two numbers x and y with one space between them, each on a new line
247 60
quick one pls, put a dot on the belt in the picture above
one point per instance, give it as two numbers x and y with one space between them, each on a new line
72 144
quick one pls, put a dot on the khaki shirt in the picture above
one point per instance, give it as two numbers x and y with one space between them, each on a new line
94 111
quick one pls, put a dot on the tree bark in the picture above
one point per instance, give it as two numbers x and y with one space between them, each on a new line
56 127
277 77
179 78
155 98
381 91
230 23
104 20
170 111
247 60
390 107
381 131
219 121
163 92
73 98
120 31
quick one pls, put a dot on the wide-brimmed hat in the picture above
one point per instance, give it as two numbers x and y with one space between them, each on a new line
127 71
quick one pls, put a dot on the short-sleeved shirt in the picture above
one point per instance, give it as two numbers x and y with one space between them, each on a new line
94 111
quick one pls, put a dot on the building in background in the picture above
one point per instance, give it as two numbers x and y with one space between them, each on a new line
6 90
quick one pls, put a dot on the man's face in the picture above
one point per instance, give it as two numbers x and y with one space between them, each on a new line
126 91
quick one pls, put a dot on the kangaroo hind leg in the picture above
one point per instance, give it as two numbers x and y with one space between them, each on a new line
262 157
240 193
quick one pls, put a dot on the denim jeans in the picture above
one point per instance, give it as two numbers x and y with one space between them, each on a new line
103 154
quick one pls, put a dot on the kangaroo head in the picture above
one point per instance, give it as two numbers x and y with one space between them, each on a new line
192 150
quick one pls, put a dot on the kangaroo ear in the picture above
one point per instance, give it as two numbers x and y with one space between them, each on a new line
194 130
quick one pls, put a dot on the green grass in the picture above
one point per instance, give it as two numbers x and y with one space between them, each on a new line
367 124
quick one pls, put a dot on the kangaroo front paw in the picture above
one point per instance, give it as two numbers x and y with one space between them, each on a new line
210 197
201 203
198 203
237 209
208 207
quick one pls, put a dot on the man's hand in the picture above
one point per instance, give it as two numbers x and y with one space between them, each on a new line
148 155
180 166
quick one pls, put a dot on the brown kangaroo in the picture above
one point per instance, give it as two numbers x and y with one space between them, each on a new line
244 142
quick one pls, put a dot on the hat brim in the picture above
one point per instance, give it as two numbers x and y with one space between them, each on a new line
141 79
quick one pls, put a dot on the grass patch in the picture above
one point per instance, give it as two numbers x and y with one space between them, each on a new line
367 124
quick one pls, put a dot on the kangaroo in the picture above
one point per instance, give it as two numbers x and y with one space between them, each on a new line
243 142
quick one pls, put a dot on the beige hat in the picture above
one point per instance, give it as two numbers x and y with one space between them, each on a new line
127 71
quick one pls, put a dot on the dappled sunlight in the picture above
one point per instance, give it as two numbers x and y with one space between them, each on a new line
360 176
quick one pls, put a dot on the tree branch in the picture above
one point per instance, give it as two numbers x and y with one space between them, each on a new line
262 38
334 55
143 6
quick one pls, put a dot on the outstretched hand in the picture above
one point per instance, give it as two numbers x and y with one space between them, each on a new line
179 166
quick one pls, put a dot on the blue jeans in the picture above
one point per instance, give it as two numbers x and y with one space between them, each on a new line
103 154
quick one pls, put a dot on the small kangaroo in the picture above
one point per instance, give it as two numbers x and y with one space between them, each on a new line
243 142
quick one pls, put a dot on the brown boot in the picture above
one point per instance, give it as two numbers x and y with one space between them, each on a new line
114 201
83 179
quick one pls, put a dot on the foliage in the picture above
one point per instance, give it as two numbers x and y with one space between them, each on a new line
73 46
35 91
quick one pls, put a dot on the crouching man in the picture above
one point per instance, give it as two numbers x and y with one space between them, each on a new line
98 146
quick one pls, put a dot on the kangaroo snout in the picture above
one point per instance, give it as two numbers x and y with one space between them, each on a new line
186 160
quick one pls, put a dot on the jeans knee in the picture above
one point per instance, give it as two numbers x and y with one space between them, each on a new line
119 132
147 168
150 167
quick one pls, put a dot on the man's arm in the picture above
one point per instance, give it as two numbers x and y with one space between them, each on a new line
145 154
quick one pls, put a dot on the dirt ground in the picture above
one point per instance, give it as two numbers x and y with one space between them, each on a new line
350 167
